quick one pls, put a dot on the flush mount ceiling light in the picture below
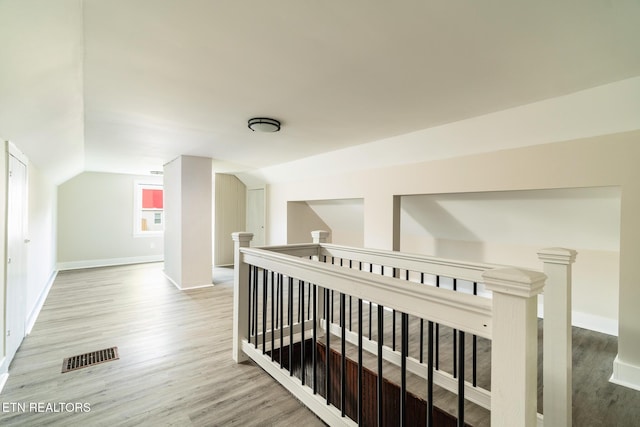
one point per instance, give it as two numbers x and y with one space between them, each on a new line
264 124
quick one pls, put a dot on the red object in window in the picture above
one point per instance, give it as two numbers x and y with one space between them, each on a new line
151 199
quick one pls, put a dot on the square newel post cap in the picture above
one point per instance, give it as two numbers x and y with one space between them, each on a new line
557 255
514 281
320 236
242 237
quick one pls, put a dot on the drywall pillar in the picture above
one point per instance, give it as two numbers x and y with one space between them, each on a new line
188 256
626 366
381 221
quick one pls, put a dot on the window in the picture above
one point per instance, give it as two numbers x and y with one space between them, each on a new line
148 209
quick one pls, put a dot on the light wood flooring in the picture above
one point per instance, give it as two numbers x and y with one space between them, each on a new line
175 364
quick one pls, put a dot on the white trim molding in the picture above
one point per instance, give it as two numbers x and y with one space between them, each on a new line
108 262
182 288
592 322
601 324
3 380
33 316
625 374
4 372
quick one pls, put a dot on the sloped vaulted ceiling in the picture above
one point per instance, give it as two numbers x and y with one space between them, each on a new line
126 85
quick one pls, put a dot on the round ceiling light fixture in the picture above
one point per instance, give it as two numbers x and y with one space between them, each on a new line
264 124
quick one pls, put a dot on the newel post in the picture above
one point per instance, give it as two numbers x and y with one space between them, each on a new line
320 236
514 347
240 294
558 352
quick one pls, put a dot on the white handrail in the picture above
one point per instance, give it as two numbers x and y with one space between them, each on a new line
464 270
457 310
509 319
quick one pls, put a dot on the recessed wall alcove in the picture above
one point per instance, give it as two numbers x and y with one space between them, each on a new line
509 227
343 218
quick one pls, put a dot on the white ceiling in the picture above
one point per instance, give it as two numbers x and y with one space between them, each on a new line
127 85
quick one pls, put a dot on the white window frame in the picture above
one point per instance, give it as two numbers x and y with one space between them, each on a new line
138 186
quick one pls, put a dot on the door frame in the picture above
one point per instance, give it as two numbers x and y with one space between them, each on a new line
261 215
12 151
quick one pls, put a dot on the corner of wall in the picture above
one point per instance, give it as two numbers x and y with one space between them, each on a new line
33 316
625 374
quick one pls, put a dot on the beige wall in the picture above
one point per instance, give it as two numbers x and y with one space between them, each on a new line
510 227
342 218
590 162
230 211
41 257
302 220
95 222
41 250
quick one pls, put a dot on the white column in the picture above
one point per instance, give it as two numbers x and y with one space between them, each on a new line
557 336
188 257
514 347
240 294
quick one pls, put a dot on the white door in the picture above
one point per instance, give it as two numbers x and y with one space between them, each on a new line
16 255
255 215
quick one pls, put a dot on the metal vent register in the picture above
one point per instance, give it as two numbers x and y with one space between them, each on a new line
89 359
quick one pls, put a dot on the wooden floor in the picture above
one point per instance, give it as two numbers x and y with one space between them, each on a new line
175 364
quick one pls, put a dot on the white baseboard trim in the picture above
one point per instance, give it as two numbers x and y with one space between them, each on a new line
625 374
33 316
222 265
604 325
3 380
600 324
108 262
210 285
182 288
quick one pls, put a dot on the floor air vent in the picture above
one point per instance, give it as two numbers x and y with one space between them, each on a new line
89 359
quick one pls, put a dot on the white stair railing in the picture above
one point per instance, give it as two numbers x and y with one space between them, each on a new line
508 318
